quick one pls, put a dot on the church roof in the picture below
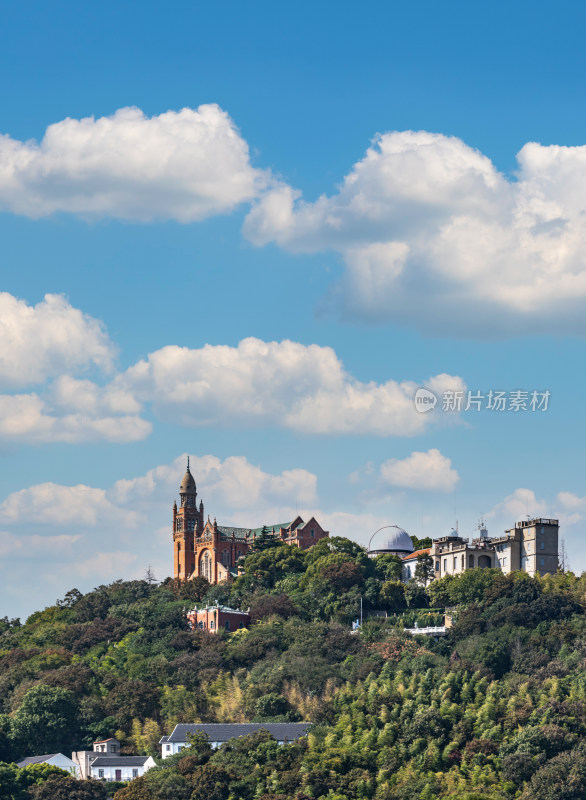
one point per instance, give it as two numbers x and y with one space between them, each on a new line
243 533
188 482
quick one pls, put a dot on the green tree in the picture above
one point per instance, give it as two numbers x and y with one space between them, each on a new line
211 783
65 787
388 567
392 596
137 789
46 721
424 572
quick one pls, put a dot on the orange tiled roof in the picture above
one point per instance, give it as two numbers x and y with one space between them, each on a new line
417 553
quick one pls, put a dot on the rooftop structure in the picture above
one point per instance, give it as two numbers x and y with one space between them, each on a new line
218 733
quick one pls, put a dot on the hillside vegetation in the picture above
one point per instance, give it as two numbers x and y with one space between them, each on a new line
495 710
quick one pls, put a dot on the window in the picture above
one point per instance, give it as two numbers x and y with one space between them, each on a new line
542 562
212 625
437 566
470 561
445 564
190 524
205 566
180 748
135 773
227 625
100 773
179 523
312 534
167 747
455 563
542 545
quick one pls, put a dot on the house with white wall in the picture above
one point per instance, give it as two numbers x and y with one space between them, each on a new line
120 768
218 733
55 760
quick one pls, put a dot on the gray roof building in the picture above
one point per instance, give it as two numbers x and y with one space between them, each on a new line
222 732
119 761
26 762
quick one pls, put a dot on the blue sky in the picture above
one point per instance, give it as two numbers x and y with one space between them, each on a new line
287 203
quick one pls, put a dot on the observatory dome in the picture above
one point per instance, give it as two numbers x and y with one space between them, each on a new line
399 542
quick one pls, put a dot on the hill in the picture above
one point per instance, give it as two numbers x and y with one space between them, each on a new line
495 710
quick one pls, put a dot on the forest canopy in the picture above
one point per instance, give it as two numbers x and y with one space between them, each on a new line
496 709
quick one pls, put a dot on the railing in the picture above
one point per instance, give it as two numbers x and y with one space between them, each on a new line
438 630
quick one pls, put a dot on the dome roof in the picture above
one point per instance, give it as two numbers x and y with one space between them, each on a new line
188 482
399 541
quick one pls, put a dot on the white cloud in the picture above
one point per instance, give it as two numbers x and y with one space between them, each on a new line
43 341
54 504
183 165
522 504
301 387
82 535
433 236
233 483
35 545
430 471
29 419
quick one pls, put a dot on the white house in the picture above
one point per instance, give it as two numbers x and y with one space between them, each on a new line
219 733
120 768
55 760
85 758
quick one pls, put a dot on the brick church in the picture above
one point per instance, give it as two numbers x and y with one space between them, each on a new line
213 551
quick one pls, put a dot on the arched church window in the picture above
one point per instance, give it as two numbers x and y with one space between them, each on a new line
226 558
190 524
206 566
179 523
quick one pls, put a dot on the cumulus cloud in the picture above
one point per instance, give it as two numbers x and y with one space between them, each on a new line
47 341
54 504
233 483
522 504
183 165
301 387
43 341
35 545
30 419
433 236
430 471
81 535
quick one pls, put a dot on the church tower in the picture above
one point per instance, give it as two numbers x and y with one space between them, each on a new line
187 522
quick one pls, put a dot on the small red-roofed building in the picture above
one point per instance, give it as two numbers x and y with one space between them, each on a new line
410 562
215 618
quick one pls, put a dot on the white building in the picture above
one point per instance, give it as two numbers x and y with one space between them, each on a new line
120 768
219 733
85 758
531 546
55 760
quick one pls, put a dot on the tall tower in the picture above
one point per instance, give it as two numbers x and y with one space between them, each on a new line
187 521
